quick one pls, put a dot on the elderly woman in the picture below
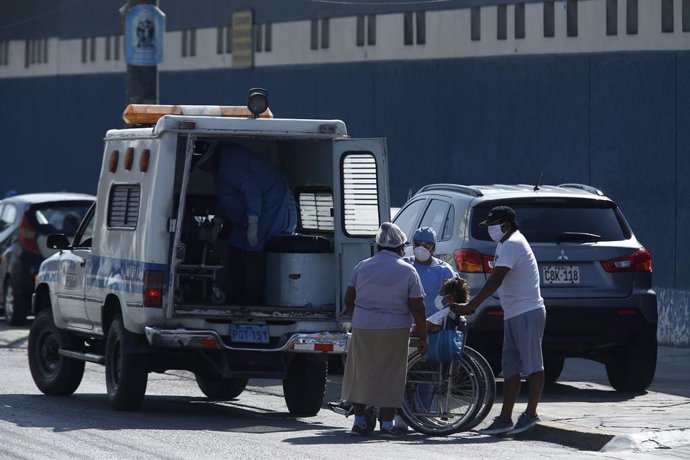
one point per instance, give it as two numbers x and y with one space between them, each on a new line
384 295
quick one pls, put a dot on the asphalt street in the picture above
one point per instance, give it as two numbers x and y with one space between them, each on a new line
580 413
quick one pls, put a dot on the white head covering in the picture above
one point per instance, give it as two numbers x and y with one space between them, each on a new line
389 235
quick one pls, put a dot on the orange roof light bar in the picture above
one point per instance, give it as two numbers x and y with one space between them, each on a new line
143 114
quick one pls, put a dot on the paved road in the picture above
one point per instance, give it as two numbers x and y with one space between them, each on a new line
582 416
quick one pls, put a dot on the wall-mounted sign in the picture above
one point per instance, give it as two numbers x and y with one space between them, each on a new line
144 31
243 39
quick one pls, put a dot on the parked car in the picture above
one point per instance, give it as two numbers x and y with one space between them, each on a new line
25 223
596 277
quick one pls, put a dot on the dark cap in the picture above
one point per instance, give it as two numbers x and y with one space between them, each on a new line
499 215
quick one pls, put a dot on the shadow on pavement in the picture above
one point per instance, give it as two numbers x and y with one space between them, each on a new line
85 411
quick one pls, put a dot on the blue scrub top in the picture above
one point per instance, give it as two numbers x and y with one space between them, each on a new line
432 276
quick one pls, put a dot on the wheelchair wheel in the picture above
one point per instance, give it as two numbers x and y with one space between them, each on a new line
489 382
441 398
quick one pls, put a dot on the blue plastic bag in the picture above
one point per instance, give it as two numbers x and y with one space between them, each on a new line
444 346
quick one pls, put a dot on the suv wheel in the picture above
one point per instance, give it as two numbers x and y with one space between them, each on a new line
632 369
54 374
15 308
305 384
220 389
125 373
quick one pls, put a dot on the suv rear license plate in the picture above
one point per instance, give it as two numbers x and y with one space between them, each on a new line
561 274
249 333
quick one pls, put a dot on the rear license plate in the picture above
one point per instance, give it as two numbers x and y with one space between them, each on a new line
561 274
249 333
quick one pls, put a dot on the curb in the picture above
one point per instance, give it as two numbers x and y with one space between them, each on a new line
568 435
594 440
649 440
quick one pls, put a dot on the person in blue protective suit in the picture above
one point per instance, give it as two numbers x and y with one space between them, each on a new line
253 196
254 201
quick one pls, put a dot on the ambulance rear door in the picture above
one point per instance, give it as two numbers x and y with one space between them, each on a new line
360 204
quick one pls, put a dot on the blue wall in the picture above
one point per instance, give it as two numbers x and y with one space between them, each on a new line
617 121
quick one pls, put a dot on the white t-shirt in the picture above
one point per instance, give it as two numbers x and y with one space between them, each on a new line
519 292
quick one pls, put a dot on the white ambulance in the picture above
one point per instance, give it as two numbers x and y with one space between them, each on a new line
137 288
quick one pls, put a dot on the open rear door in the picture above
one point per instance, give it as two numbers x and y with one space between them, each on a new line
361 202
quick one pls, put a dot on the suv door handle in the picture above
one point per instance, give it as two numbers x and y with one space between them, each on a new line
83 262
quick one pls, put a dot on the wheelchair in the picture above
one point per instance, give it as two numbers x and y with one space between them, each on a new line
443 398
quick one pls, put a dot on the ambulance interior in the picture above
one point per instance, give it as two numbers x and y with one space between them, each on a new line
300 268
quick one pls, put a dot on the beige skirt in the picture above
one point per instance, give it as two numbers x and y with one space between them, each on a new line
376 367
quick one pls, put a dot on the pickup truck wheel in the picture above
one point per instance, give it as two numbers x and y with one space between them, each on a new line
125 374
632 369
304 384
220 389
54 374
15 307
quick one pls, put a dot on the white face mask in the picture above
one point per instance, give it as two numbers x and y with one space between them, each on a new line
422 254
495 232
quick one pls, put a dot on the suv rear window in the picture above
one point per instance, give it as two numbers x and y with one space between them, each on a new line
560 220
59 217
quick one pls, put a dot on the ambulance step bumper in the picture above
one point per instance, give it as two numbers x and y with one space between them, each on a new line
320 342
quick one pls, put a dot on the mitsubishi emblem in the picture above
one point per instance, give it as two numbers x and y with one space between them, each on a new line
562 256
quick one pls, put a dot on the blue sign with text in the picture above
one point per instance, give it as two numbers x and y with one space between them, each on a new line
144 31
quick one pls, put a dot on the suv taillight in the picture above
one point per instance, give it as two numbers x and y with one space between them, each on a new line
638 261
473 261
27 236
153 288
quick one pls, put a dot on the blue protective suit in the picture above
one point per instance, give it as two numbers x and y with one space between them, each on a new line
247 185
432 276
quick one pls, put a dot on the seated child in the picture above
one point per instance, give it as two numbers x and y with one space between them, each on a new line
455 293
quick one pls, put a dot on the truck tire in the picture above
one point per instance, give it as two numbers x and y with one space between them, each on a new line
304 384
632 369
125 374
16 308
54 374
221 389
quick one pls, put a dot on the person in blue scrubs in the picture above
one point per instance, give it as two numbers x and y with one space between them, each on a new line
255 201
432 271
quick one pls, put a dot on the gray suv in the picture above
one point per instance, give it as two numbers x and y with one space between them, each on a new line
596 277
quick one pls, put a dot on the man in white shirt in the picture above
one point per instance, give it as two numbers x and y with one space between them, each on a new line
516 278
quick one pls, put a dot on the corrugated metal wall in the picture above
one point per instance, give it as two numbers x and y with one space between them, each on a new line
620 122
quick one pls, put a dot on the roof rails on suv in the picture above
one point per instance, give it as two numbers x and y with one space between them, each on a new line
586 188
464 189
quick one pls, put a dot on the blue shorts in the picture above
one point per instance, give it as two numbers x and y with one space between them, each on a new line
522 337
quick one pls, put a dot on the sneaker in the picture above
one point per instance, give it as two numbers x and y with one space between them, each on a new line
524 423
341 407
498 426
359 430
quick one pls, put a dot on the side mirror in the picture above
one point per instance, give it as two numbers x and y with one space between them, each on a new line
57 241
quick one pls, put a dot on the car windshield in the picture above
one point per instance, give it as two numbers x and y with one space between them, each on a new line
564 220
59 217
